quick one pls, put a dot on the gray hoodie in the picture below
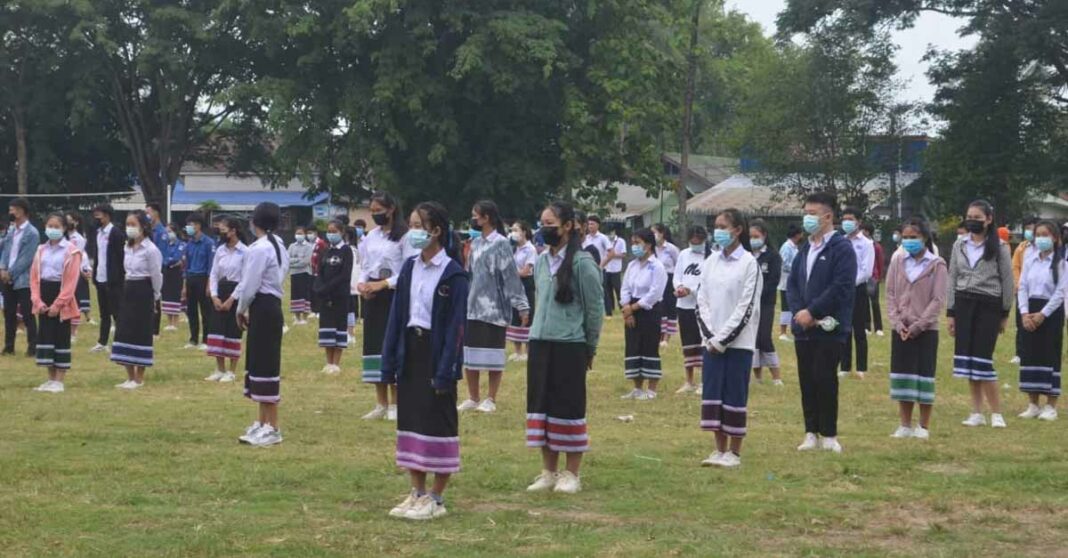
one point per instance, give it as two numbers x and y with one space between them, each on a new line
300 256
495 285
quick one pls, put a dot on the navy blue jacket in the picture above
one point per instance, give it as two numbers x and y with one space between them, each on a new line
448 318
828 291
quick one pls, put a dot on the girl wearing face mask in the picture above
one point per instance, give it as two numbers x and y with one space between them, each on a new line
382 254
1025 248
422 354
525 256
54 276
144 282
980 296
300 279
770 271
171 294
915 294
318 245
81 293
354 237
687 280
642 295
729 313
668 254
332 290
224 335
1041 304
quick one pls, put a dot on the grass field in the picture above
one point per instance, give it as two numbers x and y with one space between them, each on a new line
97 471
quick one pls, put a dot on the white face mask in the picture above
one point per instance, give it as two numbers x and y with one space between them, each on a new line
133 232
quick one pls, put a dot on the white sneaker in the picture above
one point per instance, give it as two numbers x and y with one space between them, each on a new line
777 383
632 394
132 385
285 329
93 322
543 482
861 375
879 333
842 373
568 483
98 348
202 347
333 370
250 433
920 433
713 459
811 442
523 357
425 508
785 338
467 405
124 385
189 346
391 413
44 386
997 421
686 388
170 328
513 357
57 387
730 460
1048 413
642 395
903 432
698 389
663 343
401 509
974 419
650 395
73 338
1014 360
267 436
227 378
487 406
215 376
831 444
1032 412
376 414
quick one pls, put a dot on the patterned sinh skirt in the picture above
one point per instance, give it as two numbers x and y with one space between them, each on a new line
133 334
1040 353
484 347
516 333
263 361
171 293
333 322
300 293
978 321
428 425
556 396
224 335
912 367
53 334
375 319
642 345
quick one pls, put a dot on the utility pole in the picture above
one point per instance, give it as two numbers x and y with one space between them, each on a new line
687 114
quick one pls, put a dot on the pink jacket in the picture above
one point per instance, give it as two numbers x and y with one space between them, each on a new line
66 302
918 305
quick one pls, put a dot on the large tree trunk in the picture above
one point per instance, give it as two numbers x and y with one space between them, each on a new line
687 116
21 152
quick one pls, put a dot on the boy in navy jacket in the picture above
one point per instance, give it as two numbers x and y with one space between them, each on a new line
820 293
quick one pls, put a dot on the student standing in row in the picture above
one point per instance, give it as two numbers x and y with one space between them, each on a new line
564 337
1022 249
300 255
820 293
687 280
876 279
422 354
106 251
787 253
259 310
496 292
525 256
613 271
199 253
16 256
643 298
980 296
728 305
224 337
1041 305
54 275
319 246
143 266
332 290
915 295
865 251
596 240
382 254
668 254
159 238
171 296
770 270
81 293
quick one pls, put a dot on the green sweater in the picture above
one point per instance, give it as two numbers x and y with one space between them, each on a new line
577 322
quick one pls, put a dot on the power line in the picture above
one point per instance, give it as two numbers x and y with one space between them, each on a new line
125 193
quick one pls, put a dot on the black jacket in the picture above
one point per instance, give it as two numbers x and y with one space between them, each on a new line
115 255
771 268
335 274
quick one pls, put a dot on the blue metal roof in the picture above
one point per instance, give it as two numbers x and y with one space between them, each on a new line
284 198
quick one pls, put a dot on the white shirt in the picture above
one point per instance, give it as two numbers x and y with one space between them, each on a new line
525 255
668 254
382 258
555 261
52 256
425 278
915 267
102 253
599 242
688 274
79 241
974 251
645 282
16 235
865 249
728 302
1036 281
262 273
354 279
227 265
814 251
144 260
619 248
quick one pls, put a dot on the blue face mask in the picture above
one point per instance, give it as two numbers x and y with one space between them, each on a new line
912 245
1044 243
723 237
897 238
418 238
359 232
637 250
849 226
1029 235
474 233
699 248
333 238
190 230
54 234
756 243
811 223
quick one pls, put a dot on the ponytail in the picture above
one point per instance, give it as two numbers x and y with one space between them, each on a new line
266 217
565 213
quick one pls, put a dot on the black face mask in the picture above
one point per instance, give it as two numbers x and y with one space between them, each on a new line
475 225
974 226
380 219
551 236
99 222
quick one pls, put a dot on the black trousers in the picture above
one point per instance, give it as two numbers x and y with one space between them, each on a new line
861 310
817 370
198 308
14 301
109 299
613 282
876 312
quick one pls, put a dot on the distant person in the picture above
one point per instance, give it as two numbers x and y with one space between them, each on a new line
787 252
770 264
876 323
865 251
143 265
687 281
1040 301
300 278
643 302
171 297
525 257
331 287
16 257
75 236
106 251
224 335
1026 247
54 275
613 270
199 254
668 254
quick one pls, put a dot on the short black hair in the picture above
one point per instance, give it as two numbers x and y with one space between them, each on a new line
595 219
793 231
105 208
197 218
20 203
1028 221
868 228
825 199
851 210
698 231
360 223
155 207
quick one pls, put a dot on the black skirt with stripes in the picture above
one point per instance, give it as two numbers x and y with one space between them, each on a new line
224 335
53 333
375 319
263 360
171 293
133 334
81 292
642 351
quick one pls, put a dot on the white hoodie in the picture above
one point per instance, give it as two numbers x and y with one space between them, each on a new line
728 302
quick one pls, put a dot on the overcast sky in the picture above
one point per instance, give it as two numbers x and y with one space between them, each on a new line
931 29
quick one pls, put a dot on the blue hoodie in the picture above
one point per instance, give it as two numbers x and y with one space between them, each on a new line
448 318
828 291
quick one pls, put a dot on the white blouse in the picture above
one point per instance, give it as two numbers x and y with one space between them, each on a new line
144 260
52 257
227 266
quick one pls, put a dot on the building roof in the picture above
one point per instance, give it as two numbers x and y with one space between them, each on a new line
236 193
705 170
634 201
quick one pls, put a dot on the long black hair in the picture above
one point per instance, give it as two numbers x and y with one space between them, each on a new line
992 244
1058 247
63 224
234 224
74 221
266 217
565 213
761 226
145 223
648 237
434 215
921 225
738 220
398 224
489 210
664 232
524 228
